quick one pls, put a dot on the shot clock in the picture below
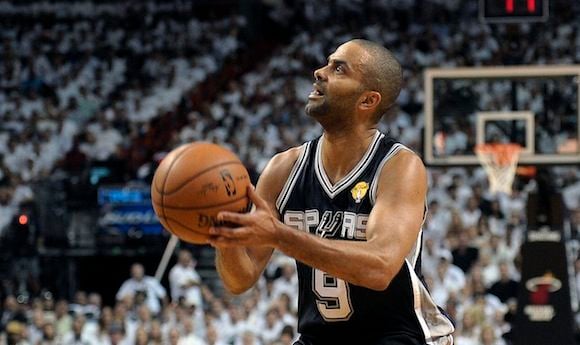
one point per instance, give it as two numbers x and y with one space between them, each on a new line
513 11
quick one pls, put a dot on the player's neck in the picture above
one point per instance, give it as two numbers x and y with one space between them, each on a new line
341 151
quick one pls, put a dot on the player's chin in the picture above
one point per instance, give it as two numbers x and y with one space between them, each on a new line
315 107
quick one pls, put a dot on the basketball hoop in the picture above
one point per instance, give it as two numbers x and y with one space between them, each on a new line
499 162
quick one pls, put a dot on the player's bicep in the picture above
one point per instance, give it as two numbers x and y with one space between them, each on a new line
396 218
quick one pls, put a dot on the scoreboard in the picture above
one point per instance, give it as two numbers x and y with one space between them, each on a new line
513 10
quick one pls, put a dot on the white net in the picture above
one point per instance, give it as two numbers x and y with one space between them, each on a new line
499 162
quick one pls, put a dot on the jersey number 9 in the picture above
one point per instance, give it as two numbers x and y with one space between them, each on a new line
333 296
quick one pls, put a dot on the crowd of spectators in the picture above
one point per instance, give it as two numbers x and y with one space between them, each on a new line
472 238
145 314
80 81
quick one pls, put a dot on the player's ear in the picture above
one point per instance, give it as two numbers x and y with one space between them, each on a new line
370 100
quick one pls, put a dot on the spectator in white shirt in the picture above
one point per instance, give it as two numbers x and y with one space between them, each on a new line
272 327
78 335
189 337
449 275
184 280
147 287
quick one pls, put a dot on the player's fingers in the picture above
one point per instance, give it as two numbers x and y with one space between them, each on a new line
233 217
256 199
233 233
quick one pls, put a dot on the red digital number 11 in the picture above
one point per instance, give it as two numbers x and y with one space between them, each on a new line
509 6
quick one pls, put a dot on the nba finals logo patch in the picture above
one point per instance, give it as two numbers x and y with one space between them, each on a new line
359 191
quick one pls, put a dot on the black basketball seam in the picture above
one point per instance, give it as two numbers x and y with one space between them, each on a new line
202 207
165 181
193 177
160 191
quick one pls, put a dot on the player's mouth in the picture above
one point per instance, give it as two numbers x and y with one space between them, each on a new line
316 92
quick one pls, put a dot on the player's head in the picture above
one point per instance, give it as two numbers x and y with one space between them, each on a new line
362 80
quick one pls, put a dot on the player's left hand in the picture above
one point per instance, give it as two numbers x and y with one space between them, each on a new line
257 228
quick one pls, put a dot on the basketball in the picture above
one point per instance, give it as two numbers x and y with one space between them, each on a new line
193 183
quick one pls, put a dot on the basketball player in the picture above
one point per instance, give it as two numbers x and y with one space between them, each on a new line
348 207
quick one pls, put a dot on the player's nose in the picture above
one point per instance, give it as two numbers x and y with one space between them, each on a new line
319 74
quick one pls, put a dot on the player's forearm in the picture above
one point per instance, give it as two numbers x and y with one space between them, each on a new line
348 260
236 269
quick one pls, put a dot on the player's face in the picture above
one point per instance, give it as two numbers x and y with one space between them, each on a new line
338 85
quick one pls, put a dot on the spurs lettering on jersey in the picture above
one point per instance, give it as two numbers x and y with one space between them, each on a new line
347 225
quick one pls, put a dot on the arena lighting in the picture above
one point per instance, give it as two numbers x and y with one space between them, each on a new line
23 219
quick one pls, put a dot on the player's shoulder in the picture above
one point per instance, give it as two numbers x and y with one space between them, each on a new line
285 160
277 171
404 162
280 166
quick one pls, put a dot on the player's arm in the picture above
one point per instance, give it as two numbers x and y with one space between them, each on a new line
240 267
392 230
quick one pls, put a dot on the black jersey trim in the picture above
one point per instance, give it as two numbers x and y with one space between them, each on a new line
293 177
375 182
332 190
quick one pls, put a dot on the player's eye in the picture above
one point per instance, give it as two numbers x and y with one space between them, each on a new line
339 68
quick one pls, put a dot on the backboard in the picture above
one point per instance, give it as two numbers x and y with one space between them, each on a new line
536 107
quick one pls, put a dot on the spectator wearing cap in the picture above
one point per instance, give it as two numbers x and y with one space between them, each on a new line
146 287
15 331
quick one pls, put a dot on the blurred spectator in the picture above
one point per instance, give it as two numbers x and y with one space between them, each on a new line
142 288
448 275
184 280
465 255
15 334
48 335
506 287
78 334
64 321
102 85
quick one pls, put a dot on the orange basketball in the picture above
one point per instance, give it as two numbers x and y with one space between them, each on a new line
192 184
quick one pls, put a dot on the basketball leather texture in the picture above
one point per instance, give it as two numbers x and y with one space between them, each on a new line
193 183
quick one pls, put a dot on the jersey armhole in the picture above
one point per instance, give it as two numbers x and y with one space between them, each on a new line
292 178
375 182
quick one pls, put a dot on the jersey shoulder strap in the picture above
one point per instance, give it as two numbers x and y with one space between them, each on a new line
293 177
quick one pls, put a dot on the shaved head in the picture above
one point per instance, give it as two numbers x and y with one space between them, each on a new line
382 73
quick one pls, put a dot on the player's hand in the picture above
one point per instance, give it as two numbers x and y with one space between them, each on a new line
256 229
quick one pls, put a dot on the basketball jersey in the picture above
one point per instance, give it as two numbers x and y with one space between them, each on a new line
330 310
